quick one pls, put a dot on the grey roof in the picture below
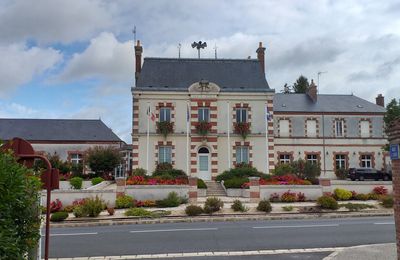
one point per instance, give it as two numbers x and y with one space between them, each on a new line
232 75
325 103
56 130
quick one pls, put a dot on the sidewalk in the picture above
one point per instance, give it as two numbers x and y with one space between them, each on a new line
365 252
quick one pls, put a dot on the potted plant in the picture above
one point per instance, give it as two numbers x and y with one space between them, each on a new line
203 128
165 128
242 128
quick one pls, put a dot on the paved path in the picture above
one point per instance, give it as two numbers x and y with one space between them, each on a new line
366 252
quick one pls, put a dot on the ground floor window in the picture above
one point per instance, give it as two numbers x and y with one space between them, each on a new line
76 158
284 158
165 154
366 161
242 154
312 158
340 161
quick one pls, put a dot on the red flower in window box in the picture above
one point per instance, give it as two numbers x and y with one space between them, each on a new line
242 128
203 128
165 128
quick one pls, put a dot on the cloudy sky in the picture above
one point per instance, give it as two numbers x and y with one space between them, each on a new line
74 59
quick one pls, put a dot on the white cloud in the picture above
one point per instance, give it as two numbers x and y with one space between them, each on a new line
104 58
19 65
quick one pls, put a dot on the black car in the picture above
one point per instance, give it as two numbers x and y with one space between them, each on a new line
368 173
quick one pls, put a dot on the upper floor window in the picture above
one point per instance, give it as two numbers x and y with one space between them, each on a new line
312 158
311 128
204 114
340 161
366 161
284 158
241 115
284 127
165 114
165 154
242 154
339 128
76 158
364 128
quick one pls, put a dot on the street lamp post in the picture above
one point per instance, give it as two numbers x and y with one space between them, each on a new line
199 45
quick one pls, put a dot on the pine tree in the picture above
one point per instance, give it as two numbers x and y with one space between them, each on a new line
301 85
392 112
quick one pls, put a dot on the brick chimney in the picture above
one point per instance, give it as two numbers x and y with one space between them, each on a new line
312 91
138 60
261 56
380 100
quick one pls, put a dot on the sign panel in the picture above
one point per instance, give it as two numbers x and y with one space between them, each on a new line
394 152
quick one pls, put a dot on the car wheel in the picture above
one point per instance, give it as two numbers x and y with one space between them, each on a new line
361 178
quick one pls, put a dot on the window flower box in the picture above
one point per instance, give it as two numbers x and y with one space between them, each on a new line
242 128
203 128
165 128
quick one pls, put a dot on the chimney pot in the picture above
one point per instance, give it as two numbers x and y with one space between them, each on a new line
138 60
261 56
380 100
312 91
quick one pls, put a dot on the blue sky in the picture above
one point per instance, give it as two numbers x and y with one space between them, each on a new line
74 59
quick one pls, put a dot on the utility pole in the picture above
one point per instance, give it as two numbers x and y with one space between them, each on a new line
199 45
318 74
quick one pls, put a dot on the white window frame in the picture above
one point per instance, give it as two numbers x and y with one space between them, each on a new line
281 132
202 114
309 132
366 161
284 158
242 154
241 115
339 128
163 155
340 161
312 158
364 132
165 114
76 158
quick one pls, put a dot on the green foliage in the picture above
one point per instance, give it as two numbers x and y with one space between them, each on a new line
212 205
235 183
123 202
238 206
59 216
69 208
138 212
93 206
172 200
76 183
102 159
288 196
264 206
301 85
361 196
19 210
97 180
201 184
327 202
139 172
241 171
77 170
193 210
342 194
306 170
55 161
166 171
288 208
165 128
341 173
392 112
78 211
356 206
387 201
283 169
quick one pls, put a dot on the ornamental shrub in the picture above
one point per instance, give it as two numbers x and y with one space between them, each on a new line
139 172
356 206
19 210
238 206
380 190
274 197
306 170
341 173
241 171
97 180
58 216
172 200
102 159
93 207
327 202
288 208
235 183
288 196
387 201
361 196
76 183
201 184
193 210
212 205
264 206
78 211
69 208
301 197
374 196
342 194
124 202
55 205
166 171
138 212
283 169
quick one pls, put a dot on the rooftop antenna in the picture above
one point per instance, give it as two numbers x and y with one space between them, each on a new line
199 45
318 74
215 51
179 50
134 34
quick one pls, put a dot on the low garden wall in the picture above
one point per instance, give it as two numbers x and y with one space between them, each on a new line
64 185
68 196
360 186
312 192
155 192
245 193
201 192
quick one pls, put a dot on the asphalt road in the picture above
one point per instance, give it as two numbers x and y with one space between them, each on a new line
220 236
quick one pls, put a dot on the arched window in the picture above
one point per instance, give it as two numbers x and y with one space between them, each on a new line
203 150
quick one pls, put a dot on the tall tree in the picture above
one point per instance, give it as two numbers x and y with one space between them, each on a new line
301 85
392 112
102 159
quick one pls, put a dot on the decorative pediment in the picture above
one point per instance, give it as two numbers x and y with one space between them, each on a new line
204 87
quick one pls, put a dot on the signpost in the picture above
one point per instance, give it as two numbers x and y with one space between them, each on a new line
394 152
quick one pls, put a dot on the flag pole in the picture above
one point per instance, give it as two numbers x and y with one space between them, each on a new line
266 136
187 137
229 134
148 136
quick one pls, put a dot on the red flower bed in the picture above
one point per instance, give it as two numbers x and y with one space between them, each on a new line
280 180
140 180
55 205
380 190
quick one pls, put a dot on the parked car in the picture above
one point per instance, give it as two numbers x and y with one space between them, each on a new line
368 173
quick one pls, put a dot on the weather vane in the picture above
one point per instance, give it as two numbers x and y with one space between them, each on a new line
199 45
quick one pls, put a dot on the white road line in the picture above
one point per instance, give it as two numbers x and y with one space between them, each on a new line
297 226
172 230
384 223
73 234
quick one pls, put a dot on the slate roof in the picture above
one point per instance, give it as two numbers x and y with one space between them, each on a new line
56 130
232 75
325 103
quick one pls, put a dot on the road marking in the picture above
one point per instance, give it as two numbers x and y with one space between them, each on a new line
172 230
384 223
297 226
73 234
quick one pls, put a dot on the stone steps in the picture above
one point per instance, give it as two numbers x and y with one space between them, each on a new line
214 189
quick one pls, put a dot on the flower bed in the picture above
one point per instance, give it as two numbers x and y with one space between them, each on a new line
141 180
281 180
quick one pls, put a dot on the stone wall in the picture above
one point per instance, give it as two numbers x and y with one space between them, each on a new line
155 192
68 196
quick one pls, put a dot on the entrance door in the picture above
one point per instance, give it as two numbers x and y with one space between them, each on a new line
204 164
